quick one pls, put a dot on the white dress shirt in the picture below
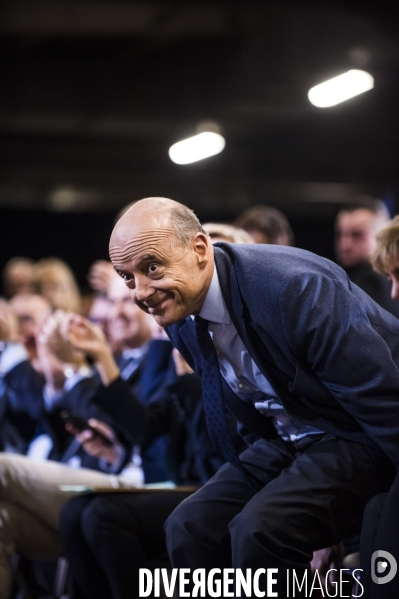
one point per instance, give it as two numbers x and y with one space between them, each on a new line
239 369
133 359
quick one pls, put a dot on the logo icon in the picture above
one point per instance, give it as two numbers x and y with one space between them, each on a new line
383 567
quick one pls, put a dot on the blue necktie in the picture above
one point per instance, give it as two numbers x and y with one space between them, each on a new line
212 395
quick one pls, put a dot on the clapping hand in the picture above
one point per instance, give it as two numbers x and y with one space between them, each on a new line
100 275
52 337
85 336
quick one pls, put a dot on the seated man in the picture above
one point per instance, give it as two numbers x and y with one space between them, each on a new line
31 310
70 384
304 359
30 497
356 228
107 538
24 403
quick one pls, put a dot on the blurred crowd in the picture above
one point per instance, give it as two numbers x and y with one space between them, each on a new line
82 383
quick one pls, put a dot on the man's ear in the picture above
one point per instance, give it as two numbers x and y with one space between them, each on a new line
201 245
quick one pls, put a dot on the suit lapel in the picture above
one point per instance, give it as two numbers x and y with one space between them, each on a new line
183 337
257 348
238 313
187 334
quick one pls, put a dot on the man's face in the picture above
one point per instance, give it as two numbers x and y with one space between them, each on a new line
166 280
31 310
354 237
99 311
127 325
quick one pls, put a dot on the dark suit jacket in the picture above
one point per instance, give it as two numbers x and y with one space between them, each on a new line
176 411
22 406
145 384
25 416
25 409
375 285
330 352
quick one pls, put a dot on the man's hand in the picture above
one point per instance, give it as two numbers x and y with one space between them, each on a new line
52 337
100 275
8 323
85 336
94 445
90 339
325 560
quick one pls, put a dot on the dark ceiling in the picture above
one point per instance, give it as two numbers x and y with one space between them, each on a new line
95 92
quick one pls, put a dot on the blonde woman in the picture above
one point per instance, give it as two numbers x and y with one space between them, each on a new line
53 279
385 258
381 522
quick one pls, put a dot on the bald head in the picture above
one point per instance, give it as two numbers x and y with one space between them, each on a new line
157 214
161 251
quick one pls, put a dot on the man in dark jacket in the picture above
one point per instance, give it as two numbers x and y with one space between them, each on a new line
300 356
356 228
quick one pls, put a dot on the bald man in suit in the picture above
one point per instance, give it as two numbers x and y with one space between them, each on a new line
303 359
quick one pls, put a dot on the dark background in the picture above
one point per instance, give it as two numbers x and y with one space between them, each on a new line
93 93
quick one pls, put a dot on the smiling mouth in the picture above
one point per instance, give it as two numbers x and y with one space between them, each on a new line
155 307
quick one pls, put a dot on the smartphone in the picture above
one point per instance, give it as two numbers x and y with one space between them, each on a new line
80 424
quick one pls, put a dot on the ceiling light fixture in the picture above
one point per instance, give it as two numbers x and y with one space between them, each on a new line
200 146
341 88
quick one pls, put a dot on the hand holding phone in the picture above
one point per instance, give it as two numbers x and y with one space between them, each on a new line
79 425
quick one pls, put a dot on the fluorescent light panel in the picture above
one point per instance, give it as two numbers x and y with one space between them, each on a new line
197 148
341 88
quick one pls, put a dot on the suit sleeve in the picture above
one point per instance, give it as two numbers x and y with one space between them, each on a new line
25 389
23 400
140 424
329 329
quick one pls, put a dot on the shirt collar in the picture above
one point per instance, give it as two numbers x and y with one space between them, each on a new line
137 353
214 308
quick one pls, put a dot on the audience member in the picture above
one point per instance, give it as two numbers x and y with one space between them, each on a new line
100 276
29 495
53 279
31 311
266 225
89 524
9 436
22 389
380 520
385 256
34 401
98 312
17 276
356 228
229 233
